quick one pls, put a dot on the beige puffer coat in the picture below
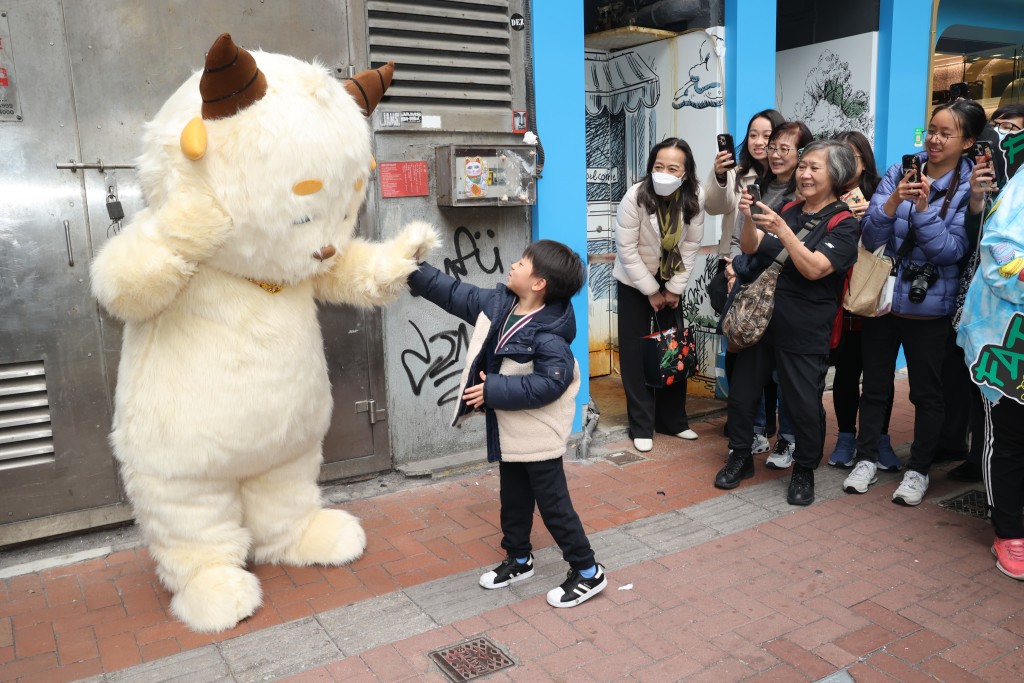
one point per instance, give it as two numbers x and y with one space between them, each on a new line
724 201
638 246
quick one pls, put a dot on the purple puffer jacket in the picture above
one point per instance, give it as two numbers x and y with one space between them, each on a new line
941 241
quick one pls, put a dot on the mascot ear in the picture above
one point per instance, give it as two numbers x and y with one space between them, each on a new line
367 87
193 139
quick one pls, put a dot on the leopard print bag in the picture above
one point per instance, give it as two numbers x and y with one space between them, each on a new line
751 310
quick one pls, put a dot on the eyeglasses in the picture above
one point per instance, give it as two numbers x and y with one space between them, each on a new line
942 137
1007 126
784 150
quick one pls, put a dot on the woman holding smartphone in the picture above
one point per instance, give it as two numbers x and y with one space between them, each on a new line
847 357
919 217
820 237
727 181
659 228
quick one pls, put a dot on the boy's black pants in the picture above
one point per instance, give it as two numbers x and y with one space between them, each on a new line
524 484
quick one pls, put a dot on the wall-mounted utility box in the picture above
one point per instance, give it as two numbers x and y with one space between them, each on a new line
486 176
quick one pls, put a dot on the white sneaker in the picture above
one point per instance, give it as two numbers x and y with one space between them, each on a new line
862 476
688 434
911 491
782 457
643 445
760 445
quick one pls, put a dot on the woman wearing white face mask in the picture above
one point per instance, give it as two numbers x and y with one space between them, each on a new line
659 228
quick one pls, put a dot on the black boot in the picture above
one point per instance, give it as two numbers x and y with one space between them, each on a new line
801 486
966 471
737 468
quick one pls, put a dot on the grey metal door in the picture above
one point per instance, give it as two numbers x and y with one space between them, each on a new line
104 69
54 406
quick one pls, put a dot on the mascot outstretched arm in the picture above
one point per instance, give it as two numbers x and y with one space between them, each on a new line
253 173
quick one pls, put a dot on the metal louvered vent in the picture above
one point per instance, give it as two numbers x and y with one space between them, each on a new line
26 437
449 55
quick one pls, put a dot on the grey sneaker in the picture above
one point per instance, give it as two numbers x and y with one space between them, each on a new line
911 491
760 444
782 456
861 478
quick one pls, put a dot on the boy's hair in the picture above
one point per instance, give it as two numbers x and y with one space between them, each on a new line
559 265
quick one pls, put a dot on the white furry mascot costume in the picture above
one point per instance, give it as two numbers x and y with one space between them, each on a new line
253 172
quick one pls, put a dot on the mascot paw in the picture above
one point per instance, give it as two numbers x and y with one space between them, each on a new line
333 537
417 240
217 598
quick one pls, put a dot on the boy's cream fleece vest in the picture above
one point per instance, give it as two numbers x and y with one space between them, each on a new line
533 434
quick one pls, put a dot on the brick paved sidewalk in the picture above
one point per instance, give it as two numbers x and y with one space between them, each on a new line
110 614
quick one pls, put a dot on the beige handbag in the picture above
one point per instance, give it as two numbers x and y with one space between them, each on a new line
867 282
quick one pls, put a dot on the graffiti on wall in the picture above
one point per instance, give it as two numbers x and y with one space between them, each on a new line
437 359
467 248
433 362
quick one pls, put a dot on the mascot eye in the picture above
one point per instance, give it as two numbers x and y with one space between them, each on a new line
300 221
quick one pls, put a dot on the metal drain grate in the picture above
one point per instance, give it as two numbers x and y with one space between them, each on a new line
624 457
972 503
471 659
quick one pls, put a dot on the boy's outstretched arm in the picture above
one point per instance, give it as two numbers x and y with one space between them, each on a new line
458 298
552 374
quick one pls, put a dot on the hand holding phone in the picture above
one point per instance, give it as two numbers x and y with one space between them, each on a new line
725 144
982 153
755 194
912 164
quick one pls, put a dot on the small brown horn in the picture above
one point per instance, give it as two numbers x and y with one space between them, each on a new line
367 87
231 80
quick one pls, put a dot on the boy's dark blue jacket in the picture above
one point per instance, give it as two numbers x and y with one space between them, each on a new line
544 342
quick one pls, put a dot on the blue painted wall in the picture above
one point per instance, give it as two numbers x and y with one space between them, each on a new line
749 61
901 103
561 209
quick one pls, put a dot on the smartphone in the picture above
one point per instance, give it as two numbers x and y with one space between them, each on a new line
981 150
725 144
912 163
755 193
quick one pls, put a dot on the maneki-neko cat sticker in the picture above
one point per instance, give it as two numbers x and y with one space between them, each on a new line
475 177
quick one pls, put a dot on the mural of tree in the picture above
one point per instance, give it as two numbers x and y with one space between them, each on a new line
830 104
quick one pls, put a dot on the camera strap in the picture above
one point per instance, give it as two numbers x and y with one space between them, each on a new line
911 241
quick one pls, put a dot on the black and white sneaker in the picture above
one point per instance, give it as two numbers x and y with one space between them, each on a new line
508 572
575 589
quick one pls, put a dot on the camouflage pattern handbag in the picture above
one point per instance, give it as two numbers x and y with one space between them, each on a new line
751 311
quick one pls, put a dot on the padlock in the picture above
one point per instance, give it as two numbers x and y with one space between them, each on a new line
114 208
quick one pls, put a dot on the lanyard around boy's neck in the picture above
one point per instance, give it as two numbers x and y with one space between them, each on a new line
519 324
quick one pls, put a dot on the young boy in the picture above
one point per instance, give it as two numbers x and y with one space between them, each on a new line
521 373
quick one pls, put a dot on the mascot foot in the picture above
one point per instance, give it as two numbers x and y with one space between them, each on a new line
333 537
217 598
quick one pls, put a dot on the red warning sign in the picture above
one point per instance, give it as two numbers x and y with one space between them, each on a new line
403 179
4 82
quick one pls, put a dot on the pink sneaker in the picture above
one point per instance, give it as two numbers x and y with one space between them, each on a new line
1009 554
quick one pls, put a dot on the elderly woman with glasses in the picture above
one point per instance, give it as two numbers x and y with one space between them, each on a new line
921 223
820 236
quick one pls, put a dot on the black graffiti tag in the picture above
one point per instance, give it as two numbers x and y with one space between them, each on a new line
439 367
456 267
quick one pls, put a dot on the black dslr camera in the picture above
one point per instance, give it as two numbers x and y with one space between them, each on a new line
921 277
